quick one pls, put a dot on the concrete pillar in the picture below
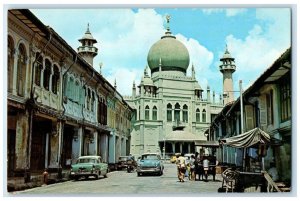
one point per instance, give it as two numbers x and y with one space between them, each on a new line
47 150
112 147
173 147
180 147
189 148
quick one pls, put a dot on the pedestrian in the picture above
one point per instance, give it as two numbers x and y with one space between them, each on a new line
178 165
205 166
192 168
181 167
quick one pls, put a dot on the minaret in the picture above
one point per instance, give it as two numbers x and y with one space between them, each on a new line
208 94
227 67
193 72
133 90
87 49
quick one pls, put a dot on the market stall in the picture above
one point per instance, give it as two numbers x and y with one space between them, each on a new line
255 138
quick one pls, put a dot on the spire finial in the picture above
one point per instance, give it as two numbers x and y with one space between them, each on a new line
100 65
115 83
226 50
88 28
145 71
168 17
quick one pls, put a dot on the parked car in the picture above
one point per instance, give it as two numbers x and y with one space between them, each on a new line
122 162
150 163
86 166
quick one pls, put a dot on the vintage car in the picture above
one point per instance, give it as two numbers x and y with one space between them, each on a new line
150 163
86 166
122 162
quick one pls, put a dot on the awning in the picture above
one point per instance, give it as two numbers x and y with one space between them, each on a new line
181 135
204 143
248 139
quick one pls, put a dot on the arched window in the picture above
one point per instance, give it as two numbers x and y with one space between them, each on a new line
77 91
55 80
198 115
88 102
177 113
10 63
21 70
147 112
204 115
38 69
70 86
169 112
154 113
47 74
92 102
185 116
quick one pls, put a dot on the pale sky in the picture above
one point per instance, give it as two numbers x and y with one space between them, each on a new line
256 37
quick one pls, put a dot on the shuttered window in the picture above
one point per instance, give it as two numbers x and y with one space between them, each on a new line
249 113
285 97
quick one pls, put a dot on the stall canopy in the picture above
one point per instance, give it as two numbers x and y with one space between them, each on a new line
250 138
207 143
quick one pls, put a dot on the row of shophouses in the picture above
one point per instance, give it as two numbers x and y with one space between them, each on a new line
58 106
267 105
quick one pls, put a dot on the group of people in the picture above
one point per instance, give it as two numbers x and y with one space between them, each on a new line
191 166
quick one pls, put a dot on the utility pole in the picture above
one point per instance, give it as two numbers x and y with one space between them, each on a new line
242 123
242 107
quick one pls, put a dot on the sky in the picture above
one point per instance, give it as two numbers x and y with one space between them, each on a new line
255 37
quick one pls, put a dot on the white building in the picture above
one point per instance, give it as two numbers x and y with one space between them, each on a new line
169 109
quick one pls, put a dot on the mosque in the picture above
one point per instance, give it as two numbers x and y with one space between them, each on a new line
170 110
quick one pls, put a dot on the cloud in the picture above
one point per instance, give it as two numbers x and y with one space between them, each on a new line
124 79
129 48
262 46
229 12
200 56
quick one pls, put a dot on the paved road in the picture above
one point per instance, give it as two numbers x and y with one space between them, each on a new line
121 183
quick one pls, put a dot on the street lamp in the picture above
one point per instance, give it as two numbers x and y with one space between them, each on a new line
164 149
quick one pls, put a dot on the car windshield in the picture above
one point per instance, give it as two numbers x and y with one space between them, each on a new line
150 157
86 160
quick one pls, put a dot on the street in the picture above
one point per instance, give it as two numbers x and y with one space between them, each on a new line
121 183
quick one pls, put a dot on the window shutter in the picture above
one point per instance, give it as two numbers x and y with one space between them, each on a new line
82 96
249 117
263 112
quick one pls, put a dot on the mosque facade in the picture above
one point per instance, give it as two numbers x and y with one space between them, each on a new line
170 110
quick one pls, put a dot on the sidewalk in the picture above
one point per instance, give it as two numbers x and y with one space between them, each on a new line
18 183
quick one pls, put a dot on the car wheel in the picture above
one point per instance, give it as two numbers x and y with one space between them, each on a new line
76 178
139 174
